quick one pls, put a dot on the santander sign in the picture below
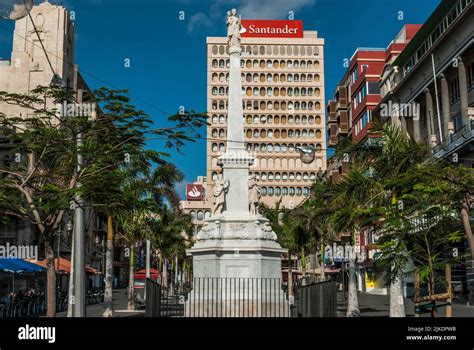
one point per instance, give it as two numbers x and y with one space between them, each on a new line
194 192
271 29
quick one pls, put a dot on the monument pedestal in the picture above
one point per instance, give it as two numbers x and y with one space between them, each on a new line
237 247
237 269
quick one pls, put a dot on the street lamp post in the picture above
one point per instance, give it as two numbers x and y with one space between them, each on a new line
70 308
79 239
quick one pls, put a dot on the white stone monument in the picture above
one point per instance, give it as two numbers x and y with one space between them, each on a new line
236 242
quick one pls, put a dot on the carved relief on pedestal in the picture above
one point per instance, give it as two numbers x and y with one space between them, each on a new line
238 231
264 231
209 231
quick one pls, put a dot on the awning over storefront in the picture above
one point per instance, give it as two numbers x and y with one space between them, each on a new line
19 266
143 272
154 273
65 266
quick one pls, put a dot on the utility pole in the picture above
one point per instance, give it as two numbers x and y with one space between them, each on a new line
79 239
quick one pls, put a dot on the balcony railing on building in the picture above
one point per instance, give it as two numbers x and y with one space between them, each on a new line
454 142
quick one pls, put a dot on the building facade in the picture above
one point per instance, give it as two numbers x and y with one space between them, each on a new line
283 101
28 66
446 103
356 96
27 69
428 91
350 115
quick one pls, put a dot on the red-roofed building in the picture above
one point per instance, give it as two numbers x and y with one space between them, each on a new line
358 93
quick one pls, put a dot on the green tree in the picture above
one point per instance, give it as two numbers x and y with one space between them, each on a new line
169 233
418 229
314 218
43 184
282 224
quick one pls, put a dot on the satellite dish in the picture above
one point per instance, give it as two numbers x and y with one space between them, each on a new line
15 9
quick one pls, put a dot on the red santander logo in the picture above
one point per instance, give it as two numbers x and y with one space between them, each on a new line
194 192
252 28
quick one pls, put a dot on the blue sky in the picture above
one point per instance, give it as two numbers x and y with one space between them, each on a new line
168 56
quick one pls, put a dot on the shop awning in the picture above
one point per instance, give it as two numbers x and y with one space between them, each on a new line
65 266
143 272
19 266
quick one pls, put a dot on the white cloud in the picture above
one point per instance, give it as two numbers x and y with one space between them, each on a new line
249 9
272 9
199 20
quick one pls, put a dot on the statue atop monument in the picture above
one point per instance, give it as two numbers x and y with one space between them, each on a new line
221 186
254 195
233 28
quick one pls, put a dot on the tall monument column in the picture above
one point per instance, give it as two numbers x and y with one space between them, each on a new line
236 161
236 241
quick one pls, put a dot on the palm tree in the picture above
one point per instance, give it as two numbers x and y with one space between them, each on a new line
349 198
133 223
314 215
168 233
145 191
284 228
398 155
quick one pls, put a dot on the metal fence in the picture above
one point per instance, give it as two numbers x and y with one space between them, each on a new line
153 298
316 299
220 297
26 308
237 297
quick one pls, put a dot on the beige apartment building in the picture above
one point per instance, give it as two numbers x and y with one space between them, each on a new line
284 109
26 69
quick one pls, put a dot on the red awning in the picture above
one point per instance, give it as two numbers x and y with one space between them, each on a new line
140 275
152 272
65 266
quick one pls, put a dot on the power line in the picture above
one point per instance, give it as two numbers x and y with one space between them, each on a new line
83 70
270 159
117 88
283 141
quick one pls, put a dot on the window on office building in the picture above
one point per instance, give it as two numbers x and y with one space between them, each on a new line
373 88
